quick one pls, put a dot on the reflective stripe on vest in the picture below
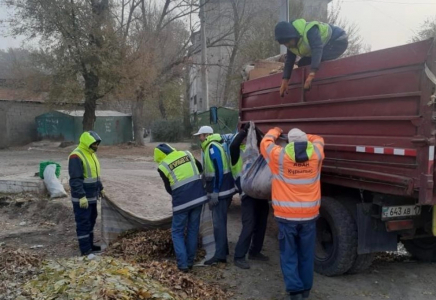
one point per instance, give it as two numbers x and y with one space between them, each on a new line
176 183
303 46
281 176
88 178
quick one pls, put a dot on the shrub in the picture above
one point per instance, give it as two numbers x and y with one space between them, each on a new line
167 131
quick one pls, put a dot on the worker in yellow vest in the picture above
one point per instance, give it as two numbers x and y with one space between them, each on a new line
220 188
313 42
86 187
180 172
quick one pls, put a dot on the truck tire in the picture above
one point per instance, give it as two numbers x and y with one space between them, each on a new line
362 262
423 249
336 244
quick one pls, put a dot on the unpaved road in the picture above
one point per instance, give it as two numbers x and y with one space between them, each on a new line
52 226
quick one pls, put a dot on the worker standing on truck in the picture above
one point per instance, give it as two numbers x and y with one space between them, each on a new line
86 187
220 188
180 172
313 42
296 198
254 212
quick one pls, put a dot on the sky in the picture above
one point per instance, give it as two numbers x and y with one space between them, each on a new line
382 23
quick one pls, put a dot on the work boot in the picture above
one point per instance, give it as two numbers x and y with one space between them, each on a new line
96 248
184 270
258 256
242 263
306 294
296 297
214 261
86 253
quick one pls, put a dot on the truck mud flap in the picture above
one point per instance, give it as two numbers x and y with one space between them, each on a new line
372 234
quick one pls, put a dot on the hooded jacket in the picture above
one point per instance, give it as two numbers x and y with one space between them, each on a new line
84 169
188 192
285 31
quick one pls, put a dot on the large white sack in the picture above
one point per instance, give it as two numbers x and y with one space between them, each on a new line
256 176
52 183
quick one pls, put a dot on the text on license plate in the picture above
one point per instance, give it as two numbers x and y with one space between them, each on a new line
400 211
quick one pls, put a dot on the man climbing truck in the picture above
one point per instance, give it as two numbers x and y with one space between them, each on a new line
377 115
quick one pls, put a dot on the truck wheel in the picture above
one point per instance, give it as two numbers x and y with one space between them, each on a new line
423 249
336 241
362 262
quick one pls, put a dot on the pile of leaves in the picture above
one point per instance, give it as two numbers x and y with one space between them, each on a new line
186 286
16 267
142 246
151 250
102 278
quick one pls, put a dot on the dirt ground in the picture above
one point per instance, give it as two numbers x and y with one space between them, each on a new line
48 227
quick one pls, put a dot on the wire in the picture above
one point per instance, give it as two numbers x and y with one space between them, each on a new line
392 18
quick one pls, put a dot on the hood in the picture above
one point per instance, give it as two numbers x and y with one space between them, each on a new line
211 138
87 139
285 31
162 151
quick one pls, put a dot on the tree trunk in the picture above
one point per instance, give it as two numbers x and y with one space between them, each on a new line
138 117
229 75
91 96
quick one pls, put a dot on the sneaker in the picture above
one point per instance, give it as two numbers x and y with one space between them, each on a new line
87 252
96 248
242 263
258 256
214 261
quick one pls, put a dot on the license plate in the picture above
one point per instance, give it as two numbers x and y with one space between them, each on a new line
390 212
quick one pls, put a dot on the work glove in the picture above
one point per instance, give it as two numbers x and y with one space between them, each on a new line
308 82
213 200
83 202
279 129
284 87
102 194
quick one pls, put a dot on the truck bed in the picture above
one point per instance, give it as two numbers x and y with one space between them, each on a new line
375 112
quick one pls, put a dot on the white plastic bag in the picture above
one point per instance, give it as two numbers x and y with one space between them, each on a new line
52 183
256 176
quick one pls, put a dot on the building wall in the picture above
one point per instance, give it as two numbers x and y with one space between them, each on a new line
18 127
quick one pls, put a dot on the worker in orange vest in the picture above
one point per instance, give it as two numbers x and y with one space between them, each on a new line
296 198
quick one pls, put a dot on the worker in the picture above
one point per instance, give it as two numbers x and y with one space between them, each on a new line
86 188
313 42
296 198
254 212
180 172
220 188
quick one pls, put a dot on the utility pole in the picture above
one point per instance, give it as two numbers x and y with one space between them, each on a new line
284 16
203 73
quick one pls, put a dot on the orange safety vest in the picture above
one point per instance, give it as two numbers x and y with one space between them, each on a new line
296 170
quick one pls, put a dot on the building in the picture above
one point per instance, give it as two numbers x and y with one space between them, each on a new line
17 116
219 22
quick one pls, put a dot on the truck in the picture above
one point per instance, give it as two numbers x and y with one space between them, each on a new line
376 113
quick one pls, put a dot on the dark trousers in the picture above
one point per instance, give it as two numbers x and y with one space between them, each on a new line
85 222
185 249
254 214
219 216
297 254
331 50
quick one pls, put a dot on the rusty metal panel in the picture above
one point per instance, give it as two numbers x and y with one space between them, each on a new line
374 112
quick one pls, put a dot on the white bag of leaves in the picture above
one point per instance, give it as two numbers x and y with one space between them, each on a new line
256 176
52 183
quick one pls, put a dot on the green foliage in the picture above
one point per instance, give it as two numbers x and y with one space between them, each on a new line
167 131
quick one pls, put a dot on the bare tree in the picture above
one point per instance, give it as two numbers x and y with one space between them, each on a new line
427 30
